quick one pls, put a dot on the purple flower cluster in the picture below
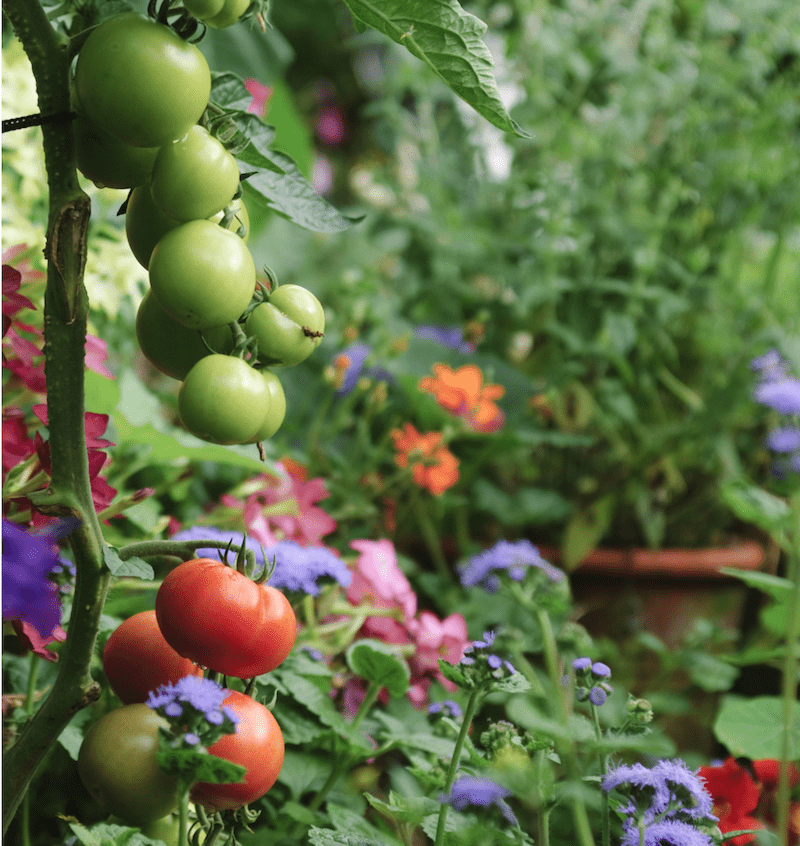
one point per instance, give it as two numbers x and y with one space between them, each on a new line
355 355
297 568
447 708
447 336
512 558
484 664
669 800
29 562
481 792
777 390
194 707
590 680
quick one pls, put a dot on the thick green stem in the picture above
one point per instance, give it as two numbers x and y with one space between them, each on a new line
469 714
69 493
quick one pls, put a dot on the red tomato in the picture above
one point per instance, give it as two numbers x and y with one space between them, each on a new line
257 745
220 619
137 659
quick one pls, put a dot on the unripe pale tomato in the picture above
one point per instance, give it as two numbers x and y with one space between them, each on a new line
194 176
277 408
222 620
231 13
223 400
202 275
171 347
108 162
257 745
141 82
288 327
146 224
117 764
137 659
204 9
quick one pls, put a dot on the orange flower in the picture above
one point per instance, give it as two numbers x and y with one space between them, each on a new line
463 394
433 466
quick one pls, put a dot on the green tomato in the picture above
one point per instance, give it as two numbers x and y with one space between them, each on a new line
141 82
277 408
202 275
231 13
117 764
204 9
146 224
194 177
171 347
288 327
108 162
223 400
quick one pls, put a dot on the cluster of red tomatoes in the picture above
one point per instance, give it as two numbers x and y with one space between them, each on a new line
207 614
141 92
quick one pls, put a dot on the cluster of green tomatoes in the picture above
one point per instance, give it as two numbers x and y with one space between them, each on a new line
141 93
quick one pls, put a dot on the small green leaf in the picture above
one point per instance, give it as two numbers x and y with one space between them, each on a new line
327 837
132 568
376 661
775 586
454 674
754 727
516 683
449 41
192 765
755 505
585 529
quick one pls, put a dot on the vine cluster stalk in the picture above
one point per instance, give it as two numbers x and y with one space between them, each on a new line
65 313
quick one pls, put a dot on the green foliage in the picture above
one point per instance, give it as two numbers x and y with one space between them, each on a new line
753 727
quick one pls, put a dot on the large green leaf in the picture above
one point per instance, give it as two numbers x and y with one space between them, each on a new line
449 41
754 727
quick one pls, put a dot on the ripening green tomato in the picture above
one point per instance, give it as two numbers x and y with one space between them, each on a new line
231 13
277 408
194 176
140 81
146 224
204 9
223 400
117 764
108 162
202 275
171 347
288 327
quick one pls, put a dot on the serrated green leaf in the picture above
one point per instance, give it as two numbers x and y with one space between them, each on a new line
516 683
132 568
408 809
327 837
449 41
108 834
229 91
754 727
376 661
193 765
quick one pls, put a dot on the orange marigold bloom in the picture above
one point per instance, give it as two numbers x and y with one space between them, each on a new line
463 394
433 466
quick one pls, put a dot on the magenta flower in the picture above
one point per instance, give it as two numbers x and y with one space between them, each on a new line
261 94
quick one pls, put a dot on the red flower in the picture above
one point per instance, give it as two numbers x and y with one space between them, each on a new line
735 797
768 772
463 394
433 465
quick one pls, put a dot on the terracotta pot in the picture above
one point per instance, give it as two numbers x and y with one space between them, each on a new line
680 563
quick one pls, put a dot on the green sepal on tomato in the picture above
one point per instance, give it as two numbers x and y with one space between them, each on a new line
202 275
217 617
257 745
141 82
288 326
146 224
172 348
194 176
117 765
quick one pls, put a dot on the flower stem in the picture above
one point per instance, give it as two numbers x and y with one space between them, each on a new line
431 538
183 817
606 823
469 714
369 699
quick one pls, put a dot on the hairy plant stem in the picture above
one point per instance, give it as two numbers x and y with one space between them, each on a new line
469 714
65 316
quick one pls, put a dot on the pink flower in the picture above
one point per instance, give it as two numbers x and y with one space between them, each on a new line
284 508
261 94
32 640
435 639
96 354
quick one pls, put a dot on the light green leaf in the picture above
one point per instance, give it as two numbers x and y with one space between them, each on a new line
585 529
376 661
775 586
132 568
755 505
449 41
754 727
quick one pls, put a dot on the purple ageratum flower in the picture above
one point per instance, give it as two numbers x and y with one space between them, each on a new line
482 792
781 395
504 555
769 366
29 595
202 695
580 664
447 707
644 787
667 832
355 355
686 787
597 696
784 439
451 337
600 670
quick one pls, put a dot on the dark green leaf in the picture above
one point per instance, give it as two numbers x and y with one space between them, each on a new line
192 765
326 837
133 568
229 92
376 661
453 673
449 41
106 834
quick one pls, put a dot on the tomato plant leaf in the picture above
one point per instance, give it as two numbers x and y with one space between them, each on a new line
108 834
449 41
229 92
133 568
326 837
192 765
376 661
